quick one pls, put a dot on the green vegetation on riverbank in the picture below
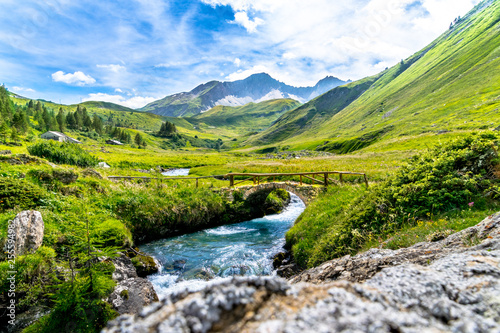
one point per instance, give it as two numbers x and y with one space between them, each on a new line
459 175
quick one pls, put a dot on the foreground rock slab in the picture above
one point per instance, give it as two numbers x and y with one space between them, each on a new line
27 228
456 291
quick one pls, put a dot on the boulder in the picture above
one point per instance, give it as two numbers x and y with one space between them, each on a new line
124 269
5 152
103 165
456 290
25 233
132 295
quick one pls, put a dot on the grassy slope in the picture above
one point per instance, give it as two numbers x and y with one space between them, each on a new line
235 121
453 84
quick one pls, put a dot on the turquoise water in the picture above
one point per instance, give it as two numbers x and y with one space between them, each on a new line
246 248
176 172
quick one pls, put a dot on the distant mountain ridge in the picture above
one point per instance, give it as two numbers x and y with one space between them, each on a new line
255 88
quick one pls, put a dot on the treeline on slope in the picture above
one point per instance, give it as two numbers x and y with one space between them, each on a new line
439 180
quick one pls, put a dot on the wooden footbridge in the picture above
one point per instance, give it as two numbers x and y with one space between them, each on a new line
322 178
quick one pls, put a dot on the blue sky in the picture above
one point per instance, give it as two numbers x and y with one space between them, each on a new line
133 52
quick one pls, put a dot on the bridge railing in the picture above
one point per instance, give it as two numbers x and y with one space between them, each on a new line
258 178
324 177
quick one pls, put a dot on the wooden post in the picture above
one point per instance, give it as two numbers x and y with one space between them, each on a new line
258 180
326 179
196 182
366 180
274 179
341 177
231 181
254 180
300 180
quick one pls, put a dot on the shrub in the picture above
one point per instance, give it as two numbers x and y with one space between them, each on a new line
19 193
438 180
63 153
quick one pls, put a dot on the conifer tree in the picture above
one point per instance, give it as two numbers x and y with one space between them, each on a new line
4 130
14 136
61 120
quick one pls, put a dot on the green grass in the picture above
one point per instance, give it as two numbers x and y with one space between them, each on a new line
319 216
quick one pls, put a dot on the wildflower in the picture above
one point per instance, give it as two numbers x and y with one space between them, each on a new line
471 204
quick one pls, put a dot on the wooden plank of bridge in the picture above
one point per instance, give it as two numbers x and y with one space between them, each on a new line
314 179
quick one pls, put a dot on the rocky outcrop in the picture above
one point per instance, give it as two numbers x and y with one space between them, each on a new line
132 293
124 269
25 233
365 265
454 290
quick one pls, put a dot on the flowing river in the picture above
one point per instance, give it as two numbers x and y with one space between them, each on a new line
246 248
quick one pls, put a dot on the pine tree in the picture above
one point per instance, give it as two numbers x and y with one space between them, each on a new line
70 121
97 124
138 139
61 120
14 136
4 130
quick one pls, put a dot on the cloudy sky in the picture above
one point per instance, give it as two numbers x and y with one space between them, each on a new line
133 52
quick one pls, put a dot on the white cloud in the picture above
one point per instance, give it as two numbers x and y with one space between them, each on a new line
237 62
135 102
304 40
113 68
118 90
77 78
21 89
242 19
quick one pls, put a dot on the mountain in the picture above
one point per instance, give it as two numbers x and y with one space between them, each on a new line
453 84
256 88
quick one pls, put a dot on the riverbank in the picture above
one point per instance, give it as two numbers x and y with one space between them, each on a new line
455 290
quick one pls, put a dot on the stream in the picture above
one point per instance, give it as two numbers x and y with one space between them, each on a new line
246 248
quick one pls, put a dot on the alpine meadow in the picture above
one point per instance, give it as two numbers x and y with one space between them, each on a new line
247 204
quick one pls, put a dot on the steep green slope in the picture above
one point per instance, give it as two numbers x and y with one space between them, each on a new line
105 105
453 84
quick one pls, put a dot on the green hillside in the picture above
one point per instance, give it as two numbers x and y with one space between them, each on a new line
234 121
451 85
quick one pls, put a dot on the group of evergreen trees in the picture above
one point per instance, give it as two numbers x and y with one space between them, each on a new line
167 129
13 120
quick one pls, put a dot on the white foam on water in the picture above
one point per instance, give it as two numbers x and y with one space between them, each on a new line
176 172
228 230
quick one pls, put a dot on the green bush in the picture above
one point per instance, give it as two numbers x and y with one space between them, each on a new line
63 153
112 232
438 180
19 193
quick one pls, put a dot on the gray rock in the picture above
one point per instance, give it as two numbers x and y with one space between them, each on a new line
455 290
365 265
132 295
124 268
27 233
103 165
5 152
